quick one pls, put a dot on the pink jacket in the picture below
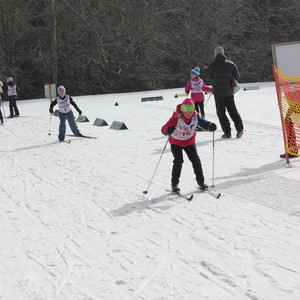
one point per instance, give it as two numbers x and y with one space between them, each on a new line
197 86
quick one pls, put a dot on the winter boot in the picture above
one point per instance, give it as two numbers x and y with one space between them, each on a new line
226 136
239 135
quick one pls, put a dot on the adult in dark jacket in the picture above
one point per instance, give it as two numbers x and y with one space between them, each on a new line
222 71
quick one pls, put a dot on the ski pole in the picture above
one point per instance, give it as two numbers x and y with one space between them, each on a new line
146 192
213 160
49 133
3 110
208 99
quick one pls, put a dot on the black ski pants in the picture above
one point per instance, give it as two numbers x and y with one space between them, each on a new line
223 103
193 156
199 106
13 106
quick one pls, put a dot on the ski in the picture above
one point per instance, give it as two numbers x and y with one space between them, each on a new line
216 195
84 136
186 197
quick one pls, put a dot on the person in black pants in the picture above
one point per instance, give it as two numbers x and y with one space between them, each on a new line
12 97
1 102
222 72
181 129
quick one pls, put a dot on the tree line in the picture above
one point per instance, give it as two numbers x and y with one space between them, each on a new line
113 46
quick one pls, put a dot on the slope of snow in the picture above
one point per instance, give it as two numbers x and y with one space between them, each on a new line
76 225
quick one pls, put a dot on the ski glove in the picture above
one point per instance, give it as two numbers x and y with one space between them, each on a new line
51 110
80 112
212 127
171 130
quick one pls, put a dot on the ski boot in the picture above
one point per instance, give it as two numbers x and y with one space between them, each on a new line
203 187
175 189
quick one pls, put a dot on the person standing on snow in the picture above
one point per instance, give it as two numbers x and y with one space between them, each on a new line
1 101
196 86
12 97
181 129
65 113
222 72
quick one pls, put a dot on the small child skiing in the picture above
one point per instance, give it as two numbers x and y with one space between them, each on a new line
65 113
12 97
181 129
197 86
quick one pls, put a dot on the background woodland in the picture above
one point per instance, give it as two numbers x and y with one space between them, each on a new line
113 46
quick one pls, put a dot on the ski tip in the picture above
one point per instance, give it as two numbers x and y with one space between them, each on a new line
145 192
190 198
219 195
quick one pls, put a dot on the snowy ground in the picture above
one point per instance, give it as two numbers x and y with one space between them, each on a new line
76 225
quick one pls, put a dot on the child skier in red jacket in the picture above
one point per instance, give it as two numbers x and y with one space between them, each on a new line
181 129
197 86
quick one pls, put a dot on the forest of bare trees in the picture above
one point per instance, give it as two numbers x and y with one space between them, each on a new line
112 46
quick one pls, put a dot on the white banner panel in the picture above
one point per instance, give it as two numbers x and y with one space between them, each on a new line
286 58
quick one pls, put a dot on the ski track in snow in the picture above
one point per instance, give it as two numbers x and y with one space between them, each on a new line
76 224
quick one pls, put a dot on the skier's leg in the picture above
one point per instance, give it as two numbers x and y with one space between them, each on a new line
62 126
193 156
177 164
72 123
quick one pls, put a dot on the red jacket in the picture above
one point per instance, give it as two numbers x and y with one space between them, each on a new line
197 86
185 129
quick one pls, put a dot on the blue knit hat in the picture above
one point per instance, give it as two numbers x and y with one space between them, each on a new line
196 71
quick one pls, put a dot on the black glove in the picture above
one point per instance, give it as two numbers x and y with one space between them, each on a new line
187 92
80 112
171 130
51 110
212 127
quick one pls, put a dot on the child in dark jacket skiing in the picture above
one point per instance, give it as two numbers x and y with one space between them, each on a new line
181 129
197 86
65 113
